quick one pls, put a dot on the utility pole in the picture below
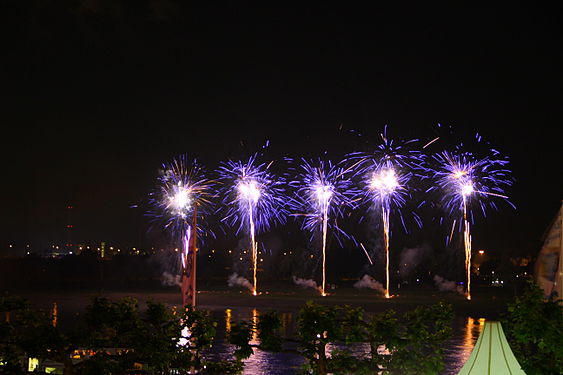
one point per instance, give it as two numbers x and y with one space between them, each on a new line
188 283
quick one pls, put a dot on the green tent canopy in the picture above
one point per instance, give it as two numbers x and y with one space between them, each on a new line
491 354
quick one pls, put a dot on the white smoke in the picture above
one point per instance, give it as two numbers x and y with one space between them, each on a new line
305 283
235 279
447 285
411 258
170 280
369 282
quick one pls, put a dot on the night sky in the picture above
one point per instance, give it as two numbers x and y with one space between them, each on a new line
97 94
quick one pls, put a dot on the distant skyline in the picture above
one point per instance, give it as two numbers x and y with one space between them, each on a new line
96 97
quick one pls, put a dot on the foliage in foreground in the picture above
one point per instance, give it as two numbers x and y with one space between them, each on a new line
534 330
118 333
407 344
166 339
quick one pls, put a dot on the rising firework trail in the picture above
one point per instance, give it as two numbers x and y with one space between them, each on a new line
183 196
253 200
385 173
465 180
322 194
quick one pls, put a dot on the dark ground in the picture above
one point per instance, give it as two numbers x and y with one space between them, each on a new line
487 302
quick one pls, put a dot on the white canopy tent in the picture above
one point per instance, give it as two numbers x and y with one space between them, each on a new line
492 354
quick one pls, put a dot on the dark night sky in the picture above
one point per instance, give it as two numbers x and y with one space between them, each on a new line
97 94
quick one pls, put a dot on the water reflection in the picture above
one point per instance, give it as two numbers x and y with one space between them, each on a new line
465 334
228 318
54 314
254 321
260 363
466 330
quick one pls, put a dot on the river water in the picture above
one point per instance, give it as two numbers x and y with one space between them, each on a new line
466 330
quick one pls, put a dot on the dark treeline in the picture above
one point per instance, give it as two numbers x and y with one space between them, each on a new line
117 335
278 268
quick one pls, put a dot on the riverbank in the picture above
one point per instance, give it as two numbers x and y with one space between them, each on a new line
486 302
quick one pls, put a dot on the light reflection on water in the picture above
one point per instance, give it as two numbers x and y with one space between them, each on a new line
460 346
261 362
466 330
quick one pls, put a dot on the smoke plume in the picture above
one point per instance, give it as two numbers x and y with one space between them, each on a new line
447 285
235 279
411 258
305 283
169 279
369 282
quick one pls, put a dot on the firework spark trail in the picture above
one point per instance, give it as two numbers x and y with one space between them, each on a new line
186 249
325 228
322 193
365 251
467 247
249 192
463 178
182 189
253 200
385 214
385 183
386 172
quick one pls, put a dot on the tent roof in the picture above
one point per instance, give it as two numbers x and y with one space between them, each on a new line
492 354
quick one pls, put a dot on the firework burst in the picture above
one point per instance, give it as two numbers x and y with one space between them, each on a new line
469 184
322 193
385 174
253 200
182 191
180 203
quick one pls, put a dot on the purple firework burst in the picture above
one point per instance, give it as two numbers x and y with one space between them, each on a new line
253 200
322 191
467 179
182 191
386 174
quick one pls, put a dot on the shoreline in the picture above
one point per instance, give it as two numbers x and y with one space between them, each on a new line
487 303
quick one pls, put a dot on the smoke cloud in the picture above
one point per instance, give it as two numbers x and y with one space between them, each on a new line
169 279
369 282
235 279
305 283
447 285
411 258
